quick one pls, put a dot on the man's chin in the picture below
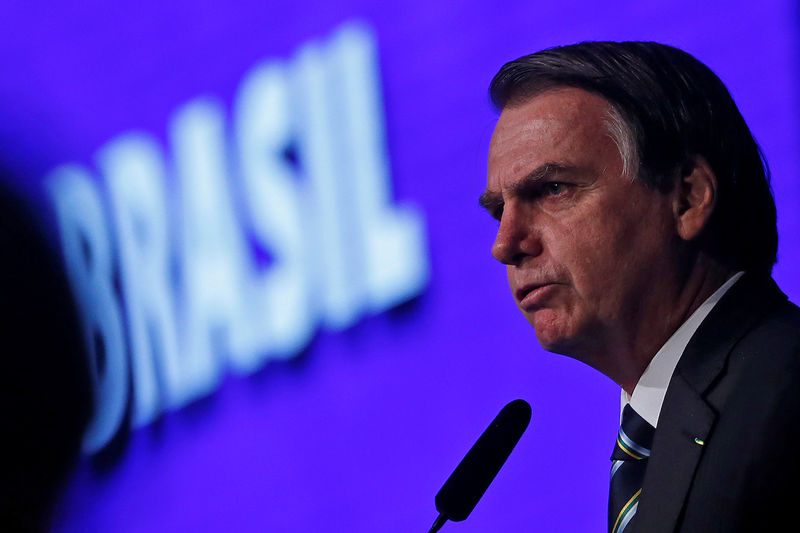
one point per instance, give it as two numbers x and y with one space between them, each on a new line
559 345
553 332
553 339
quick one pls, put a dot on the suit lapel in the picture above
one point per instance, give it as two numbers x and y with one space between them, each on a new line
675 457
685 416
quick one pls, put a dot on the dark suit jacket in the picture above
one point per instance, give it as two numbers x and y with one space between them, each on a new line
736 390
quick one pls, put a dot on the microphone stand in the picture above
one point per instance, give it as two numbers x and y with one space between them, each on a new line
437 525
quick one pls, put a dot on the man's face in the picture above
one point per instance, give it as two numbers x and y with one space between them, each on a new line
590 252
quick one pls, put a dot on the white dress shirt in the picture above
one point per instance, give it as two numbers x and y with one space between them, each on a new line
648 396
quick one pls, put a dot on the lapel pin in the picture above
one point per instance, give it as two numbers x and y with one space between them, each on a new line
701 442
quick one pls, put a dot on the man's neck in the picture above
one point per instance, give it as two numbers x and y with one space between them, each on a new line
701 282
650 391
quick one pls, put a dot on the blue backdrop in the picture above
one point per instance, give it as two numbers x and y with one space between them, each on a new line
308 331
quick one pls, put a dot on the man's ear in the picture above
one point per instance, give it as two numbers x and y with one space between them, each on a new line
695 199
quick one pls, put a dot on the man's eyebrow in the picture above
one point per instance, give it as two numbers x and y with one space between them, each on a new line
490 200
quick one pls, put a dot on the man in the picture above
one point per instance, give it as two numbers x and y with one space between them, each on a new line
638 230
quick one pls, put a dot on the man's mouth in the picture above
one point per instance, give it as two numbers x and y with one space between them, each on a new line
533 295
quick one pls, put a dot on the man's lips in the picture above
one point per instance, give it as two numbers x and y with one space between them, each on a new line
533 295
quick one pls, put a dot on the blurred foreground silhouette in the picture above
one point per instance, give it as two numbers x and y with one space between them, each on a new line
45 393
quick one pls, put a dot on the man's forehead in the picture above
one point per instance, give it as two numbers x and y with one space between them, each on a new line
546 127
560 104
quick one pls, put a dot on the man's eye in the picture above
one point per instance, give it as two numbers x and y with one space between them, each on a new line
497 213
553 188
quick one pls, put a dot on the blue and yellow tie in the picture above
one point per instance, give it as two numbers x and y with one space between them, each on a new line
629 462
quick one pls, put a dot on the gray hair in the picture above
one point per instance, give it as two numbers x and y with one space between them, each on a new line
621 133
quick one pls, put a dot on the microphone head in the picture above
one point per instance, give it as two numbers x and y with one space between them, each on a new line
472 477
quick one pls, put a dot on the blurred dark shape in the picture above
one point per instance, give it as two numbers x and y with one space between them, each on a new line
45 388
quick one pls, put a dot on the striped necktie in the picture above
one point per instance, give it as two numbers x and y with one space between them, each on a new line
629 462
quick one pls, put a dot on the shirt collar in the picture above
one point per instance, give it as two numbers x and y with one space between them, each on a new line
648 395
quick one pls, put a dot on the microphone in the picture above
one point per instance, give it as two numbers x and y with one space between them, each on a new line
472 476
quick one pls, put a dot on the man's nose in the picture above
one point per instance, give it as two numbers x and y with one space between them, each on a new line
516 238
